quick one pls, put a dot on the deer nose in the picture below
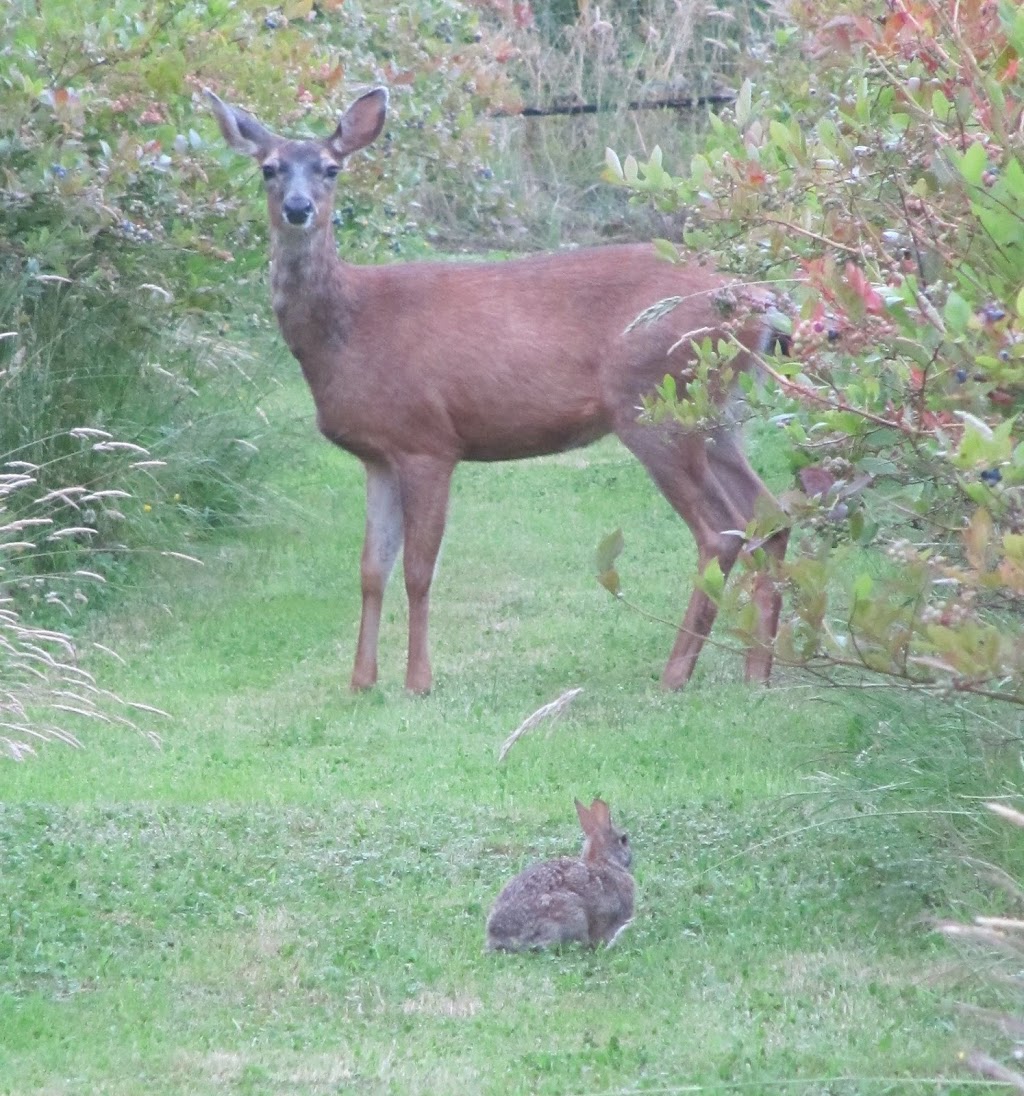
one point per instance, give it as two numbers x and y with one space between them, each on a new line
297 210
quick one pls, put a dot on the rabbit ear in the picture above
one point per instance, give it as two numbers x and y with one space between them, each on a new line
586 818
600 814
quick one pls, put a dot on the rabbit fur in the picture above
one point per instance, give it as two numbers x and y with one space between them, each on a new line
583 900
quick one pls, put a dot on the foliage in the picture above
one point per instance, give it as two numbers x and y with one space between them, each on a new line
876 175
103 124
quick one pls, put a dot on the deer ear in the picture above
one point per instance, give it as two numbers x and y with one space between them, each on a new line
243 132
360 124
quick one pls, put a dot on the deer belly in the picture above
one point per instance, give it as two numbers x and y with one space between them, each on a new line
513 437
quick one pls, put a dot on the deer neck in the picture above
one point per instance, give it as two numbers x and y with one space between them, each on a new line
312 298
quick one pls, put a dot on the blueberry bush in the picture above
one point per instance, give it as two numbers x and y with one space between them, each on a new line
873 176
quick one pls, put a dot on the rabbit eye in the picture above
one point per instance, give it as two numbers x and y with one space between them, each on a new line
623 840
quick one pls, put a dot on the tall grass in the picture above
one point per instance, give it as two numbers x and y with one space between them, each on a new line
612 58
42 683
126 432
139 427
993 951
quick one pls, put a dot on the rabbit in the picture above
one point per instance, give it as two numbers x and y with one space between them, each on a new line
584 900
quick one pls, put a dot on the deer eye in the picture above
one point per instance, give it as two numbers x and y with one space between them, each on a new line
331 171
269 171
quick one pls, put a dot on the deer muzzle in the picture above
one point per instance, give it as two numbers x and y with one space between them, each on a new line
297 209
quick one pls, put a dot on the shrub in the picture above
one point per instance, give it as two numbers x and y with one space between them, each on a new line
875 176
145 420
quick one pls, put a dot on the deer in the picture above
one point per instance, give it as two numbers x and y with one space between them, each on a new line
416 366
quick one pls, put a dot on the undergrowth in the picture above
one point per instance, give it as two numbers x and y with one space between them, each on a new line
138 435
631 75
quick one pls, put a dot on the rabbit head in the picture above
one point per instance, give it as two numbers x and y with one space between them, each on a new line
603 840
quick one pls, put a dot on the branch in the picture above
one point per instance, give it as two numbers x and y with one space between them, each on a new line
832 403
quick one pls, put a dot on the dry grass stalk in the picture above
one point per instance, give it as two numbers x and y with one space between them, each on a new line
1006 812
992 1070
42 681
548 711
995 935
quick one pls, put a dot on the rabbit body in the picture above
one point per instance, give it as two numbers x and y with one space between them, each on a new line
569 900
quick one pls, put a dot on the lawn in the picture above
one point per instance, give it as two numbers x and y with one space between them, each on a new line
289 895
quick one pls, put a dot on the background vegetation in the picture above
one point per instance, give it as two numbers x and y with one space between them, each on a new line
870 170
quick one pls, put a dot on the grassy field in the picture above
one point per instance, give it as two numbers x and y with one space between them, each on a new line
289 896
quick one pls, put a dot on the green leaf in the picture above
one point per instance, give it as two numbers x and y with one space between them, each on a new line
613 168
878 466
712 581
957 313
700 169
743 104
1013 176
782 136
941 106
828 135
862 586
608 551
973 163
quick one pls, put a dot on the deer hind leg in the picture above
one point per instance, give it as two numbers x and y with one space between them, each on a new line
714 490
381 546
424 483
741 483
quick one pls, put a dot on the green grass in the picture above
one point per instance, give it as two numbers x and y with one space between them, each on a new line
289 896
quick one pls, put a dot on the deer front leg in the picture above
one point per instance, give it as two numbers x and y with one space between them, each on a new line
380 549
701 611
768 601
424 483
740 485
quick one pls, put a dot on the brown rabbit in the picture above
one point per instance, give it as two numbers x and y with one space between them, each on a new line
568 900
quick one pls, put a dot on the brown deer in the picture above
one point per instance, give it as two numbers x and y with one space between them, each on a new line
416 366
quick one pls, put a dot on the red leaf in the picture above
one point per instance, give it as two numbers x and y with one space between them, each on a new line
522 14
859 283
